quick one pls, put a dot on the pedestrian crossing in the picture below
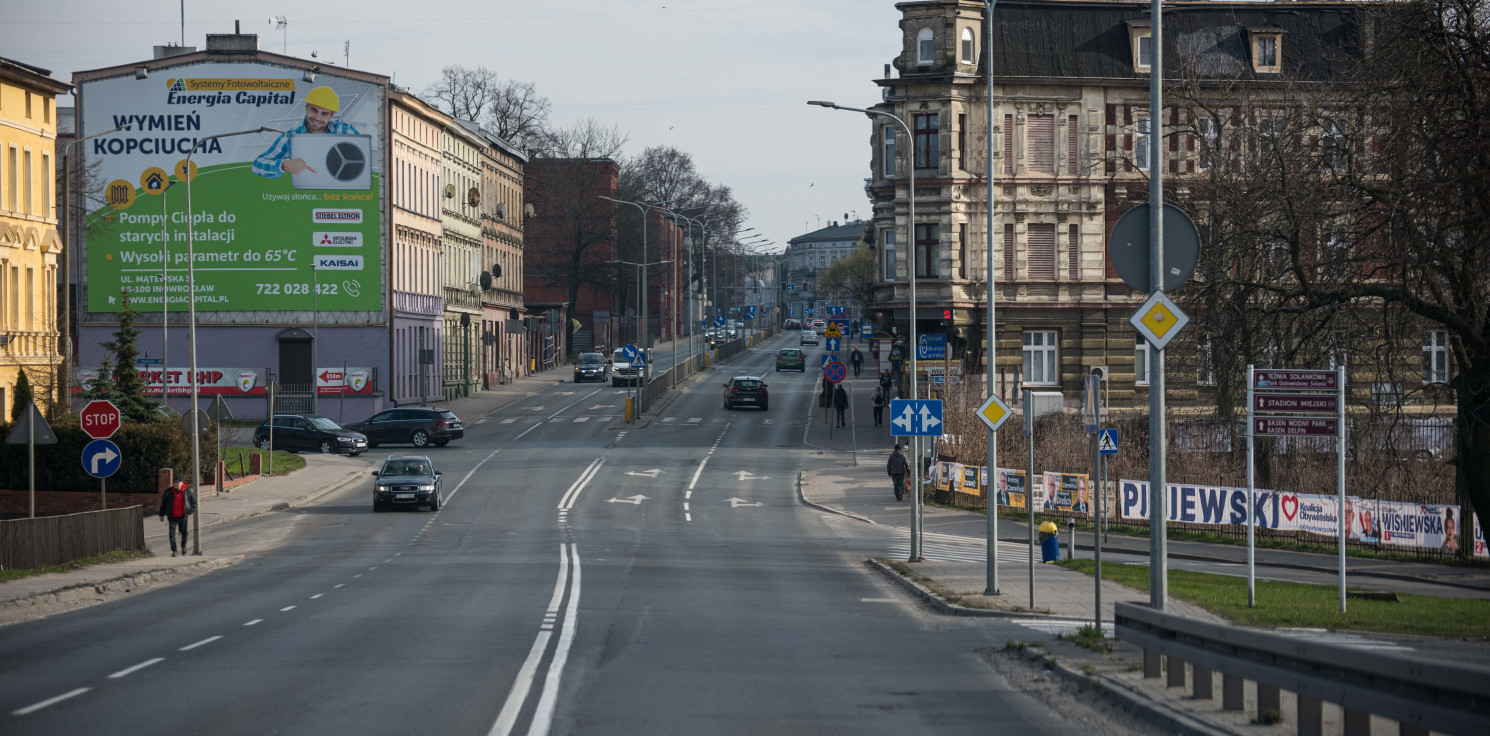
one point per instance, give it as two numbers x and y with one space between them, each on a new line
743 419
1062 628
952 548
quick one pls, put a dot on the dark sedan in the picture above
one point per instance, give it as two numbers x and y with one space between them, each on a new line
419 427
312 433
746 391
407 481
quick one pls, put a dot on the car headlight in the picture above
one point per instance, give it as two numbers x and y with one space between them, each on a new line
427 487
343 439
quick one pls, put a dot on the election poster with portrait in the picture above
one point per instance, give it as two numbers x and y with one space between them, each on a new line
285 213
1012 488
1067 492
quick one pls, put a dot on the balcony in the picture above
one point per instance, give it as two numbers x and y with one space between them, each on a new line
462 299
28 343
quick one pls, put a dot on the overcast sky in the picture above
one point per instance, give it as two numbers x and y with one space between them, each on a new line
725 80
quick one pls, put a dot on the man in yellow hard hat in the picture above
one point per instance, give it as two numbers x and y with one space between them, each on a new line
321 104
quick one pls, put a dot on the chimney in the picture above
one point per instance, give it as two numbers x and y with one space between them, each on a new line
171 49
232 43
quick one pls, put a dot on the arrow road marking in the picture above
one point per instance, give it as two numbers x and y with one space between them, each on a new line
653 473
746 475
735 503
634 500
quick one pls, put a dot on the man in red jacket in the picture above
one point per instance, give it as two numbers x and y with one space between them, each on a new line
176 504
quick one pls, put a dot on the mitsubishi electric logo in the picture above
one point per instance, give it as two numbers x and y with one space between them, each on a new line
337 217
337 240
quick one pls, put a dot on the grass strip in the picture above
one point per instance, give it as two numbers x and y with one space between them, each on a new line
118 555
1281 603
284 462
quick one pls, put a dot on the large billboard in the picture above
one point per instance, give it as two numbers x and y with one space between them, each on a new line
282 220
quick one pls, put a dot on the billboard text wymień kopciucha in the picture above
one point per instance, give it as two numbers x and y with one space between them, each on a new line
265 206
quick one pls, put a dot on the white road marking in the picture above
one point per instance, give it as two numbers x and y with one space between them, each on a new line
524 682
543 716
318 595
374 567
667 420
286 608
687 516
876 600
567 502
688 494
358 575
696 473
190 647
695 420
127 671
338 585
509 420
480 421
526 431
470 473
556 420
255 621
50 701
685 505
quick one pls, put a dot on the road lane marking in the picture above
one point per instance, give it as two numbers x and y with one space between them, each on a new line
318 595
566 407
286 608
338 585
581 419
255 621
526 431
543 716
50 701
358 575
695 420
480 421
190 647
462 483
697 472
876 600
509 420
567 502
127 671
524 682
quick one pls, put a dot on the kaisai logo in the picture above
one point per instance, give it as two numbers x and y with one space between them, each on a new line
357 379
338 263
338 216
337 240
246 380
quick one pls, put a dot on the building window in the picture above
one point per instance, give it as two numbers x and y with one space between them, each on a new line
1205 361
1073 253
1140 361
1144 53
962 249
1265 52
1039 252
11 182
923 46
1333 148
967 46
1072 139
28 103
1040 147
46 186
888 164
1141 145
962 142
1386 394
928 237
927 141
1009 252
27 176
1436 357
1040 359
889 260
1210 138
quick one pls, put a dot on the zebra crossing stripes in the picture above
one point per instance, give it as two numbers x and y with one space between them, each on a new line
952 548
509 420
1061 628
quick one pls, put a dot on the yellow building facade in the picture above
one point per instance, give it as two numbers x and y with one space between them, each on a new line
30 247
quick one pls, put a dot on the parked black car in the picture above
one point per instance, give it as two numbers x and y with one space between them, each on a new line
420 427
746 391
310 432
407 481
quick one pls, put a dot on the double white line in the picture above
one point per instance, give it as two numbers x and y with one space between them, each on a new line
567 502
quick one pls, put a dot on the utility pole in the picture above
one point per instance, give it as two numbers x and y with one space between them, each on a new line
1158 543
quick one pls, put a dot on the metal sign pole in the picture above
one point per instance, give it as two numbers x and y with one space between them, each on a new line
992 453
269 456
1251 494
103 494
1158 544
1340 473
1097 527
1029 488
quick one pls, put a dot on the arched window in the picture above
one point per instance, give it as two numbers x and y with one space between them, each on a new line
923 46
967 46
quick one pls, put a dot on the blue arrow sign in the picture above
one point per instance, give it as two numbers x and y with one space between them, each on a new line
832 343
719 321
1107 442
915 418
102 458
931 346
629 352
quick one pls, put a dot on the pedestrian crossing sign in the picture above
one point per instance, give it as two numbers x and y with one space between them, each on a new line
1107 442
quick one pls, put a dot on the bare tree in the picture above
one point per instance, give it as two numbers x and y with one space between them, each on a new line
850 280
510 109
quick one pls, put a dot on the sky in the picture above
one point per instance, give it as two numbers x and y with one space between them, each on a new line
724 80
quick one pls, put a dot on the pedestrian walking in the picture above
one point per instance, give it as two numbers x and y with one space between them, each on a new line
857 358
879 407
897 468
840 402
176 505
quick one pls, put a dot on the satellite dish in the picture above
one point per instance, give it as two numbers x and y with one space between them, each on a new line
496 270
449 191
502 211
473 197
486 281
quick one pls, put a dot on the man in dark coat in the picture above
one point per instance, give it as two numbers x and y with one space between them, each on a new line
897 467
840 402
176 505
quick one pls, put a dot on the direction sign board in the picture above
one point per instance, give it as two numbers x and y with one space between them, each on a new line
834 372
1297 403
1296 426
629 352
916 417
719 321
832 343
100 419
832 330
1296 380
994 412
102 458
1107 442
1159 320
931 346
866 330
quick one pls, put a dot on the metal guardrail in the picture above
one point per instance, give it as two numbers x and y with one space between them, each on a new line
1419 694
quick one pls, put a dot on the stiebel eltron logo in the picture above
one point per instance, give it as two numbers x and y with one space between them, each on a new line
339 217
337 240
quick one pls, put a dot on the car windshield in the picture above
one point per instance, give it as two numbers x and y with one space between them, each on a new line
748 383
618 357
791 353
404 468
591 359
323 423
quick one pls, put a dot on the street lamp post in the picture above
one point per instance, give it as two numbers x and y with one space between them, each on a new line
992 586
910 277
641 372
165 300
191 320
646 337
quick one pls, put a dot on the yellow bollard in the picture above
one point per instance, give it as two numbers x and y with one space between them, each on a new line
628 408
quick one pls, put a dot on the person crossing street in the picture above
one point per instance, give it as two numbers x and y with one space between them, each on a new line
857 359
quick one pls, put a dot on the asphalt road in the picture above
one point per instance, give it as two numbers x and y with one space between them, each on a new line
582 577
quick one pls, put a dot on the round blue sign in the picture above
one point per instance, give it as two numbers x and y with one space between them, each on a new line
102 458
834 372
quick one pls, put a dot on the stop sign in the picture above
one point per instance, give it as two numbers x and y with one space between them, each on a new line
100 419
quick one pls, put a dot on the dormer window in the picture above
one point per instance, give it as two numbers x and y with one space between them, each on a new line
1141 42
923 47
1145 58
1267 50
967 46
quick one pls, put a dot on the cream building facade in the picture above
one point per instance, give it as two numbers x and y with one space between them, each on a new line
29 243
414 280
501 281
460 216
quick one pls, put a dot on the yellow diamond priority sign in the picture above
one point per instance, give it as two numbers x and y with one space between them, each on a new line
994 413
1159 320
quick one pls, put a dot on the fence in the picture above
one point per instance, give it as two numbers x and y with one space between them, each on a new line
1420 694
53 540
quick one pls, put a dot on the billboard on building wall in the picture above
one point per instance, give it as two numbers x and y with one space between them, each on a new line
265 206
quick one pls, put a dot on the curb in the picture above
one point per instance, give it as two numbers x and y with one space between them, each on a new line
283 505
802 496
132 582
1133 701
942 605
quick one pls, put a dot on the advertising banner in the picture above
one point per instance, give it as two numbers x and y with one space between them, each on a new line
210 381
1012 488
265 206
1066 492
972 479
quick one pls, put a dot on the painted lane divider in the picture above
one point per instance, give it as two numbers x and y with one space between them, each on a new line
472 472
518 695
50 701
127 671
190 647
255 621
